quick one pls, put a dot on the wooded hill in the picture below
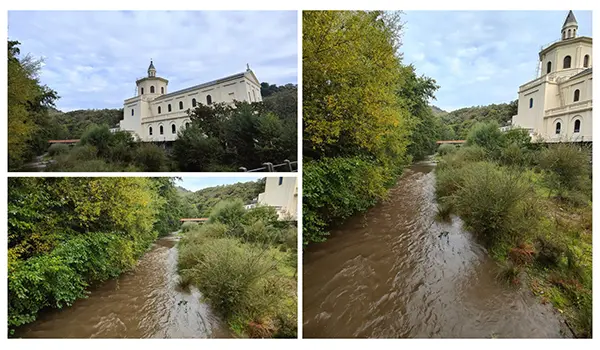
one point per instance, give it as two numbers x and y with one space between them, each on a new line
205 199
462 119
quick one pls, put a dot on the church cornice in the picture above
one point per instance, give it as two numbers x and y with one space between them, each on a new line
565 42
151 78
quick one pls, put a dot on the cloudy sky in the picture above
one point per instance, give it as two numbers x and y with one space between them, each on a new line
197 183
481 57
93 58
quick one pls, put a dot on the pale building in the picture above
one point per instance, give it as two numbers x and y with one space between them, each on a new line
280 193
557 106
155 114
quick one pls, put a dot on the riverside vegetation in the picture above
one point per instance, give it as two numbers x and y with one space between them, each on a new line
66 235
244 263
530 204
220 138
365 114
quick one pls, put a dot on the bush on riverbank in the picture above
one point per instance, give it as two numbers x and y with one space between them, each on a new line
513 197
337 188
65 234
242 266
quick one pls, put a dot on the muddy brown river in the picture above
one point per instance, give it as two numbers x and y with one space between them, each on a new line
392 273
143 303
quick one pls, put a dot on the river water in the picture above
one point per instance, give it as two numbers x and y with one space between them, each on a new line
393 272
146 302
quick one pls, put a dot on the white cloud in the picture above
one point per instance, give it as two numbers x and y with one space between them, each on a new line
95 56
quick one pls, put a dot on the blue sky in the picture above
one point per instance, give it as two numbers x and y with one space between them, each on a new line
198 183
481 57
92 58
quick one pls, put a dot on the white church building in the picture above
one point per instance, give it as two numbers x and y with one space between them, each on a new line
557 106
155 114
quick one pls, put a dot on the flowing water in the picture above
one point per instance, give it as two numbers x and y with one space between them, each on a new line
394 272
146 302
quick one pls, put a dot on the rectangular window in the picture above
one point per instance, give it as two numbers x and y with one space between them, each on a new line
280 181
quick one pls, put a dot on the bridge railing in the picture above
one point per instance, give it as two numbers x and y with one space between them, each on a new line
270 167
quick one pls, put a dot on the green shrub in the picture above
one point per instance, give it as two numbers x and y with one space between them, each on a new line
213 264
61 277
150 157
488 136
100 137
336 188
445 149
231 214
263 213
567 167
57 148
497 204
189 226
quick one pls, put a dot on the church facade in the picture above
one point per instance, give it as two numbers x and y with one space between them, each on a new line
155 114
557 106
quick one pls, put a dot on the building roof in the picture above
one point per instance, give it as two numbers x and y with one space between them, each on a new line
583 72
151 66
570 18
231 77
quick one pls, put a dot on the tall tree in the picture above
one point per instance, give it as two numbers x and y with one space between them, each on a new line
28 103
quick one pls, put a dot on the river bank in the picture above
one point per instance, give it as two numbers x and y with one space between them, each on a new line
394 272
145 302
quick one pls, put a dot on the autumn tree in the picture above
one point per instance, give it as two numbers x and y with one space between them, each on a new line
28 103
351 73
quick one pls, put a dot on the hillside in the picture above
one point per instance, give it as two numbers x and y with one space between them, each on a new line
462 119
205 199
74 123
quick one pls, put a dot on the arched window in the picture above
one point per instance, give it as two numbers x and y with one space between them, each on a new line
169 107
549 69
557 128
162 89
132 112
187 125
142 91
249 98
531 103
586 61
569 33
150 131
173 129
567 62
576 95
254 95
208 100
158 109
577 126
193 102
161 129
180 104
152 89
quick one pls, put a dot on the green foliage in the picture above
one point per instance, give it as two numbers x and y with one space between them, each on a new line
67 233
28 104
224 138
229 213
567 168
57 148
461 120
498 205
488 136
351 79
245 267
150 157
77 122
189 226
335 189
445 149
206 199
